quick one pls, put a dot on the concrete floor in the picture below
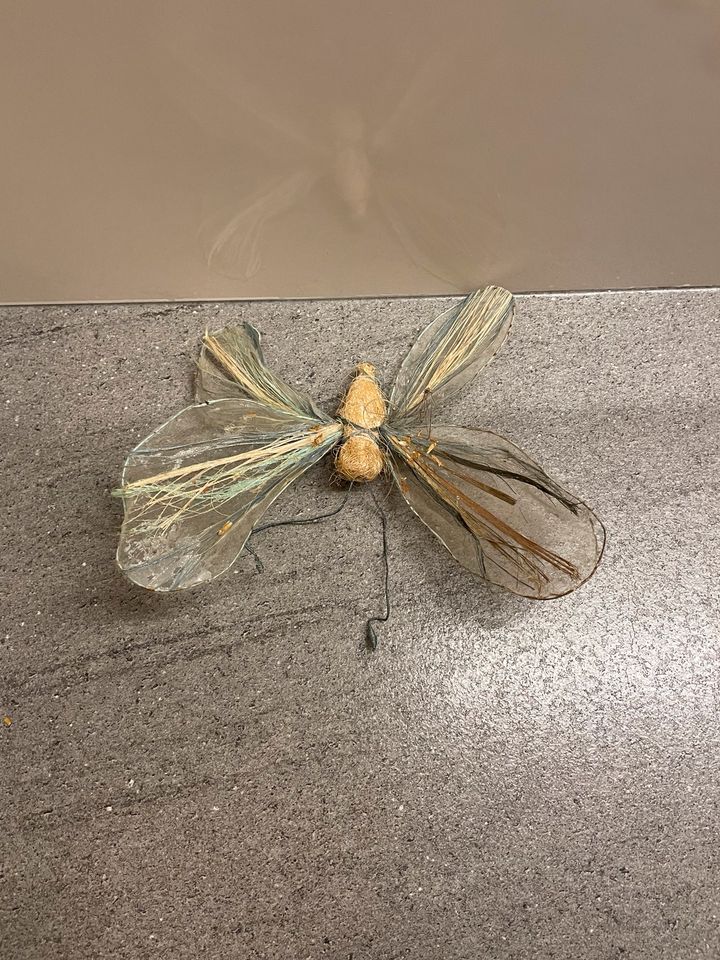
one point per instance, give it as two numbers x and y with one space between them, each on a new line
228 774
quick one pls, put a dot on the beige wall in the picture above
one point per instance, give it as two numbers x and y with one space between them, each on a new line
325 148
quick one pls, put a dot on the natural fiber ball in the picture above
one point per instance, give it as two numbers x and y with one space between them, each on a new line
359 458
363 404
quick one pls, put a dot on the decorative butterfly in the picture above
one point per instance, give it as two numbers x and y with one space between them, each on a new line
195 488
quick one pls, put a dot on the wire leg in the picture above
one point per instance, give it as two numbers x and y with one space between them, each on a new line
295 521
370 633
259 565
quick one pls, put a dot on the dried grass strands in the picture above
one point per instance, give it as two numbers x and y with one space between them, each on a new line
245 367
198 487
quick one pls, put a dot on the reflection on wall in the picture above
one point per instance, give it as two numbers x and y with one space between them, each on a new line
174 149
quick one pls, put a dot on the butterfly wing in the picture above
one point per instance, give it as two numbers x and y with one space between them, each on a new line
451 350
194 489
497 511
231 365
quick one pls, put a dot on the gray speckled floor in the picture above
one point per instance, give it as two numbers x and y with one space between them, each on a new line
227 773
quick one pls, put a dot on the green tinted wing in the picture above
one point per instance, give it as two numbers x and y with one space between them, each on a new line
194 489
451 350
231 365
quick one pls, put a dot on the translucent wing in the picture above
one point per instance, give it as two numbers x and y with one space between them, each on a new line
497 512
194 489
231 365
451 350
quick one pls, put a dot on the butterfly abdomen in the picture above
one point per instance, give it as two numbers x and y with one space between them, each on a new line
363 410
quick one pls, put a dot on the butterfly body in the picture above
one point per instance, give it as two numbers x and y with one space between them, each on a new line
362 412
196 488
